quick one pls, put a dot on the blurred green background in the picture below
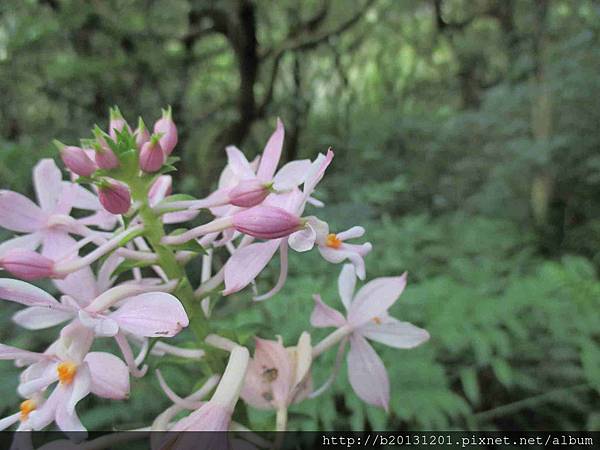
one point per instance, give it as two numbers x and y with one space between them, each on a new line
467 138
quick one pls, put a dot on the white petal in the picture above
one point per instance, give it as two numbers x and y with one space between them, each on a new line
291 174
374 299
367 374
37 317
47 181
347 284
394 333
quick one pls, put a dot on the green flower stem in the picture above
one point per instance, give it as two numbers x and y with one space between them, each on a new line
154 232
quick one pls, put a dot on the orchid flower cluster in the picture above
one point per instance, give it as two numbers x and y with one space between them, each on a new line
106 239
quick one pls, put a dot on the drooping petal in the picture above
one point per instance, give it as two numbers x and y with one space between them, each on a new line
271 154
110 377
160 189
47 182
153 314
392 332
347 284
8 352
80 387
283 272
80 285
367 374
27 294
9 420
324 316
239 165
246 263
352 253
18 213
68 420
291 175
374 298
37 318
25 242
210 417
45 415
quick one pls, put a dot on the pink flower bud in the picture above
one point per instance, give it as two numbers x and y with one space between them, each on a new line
117 123
152 156
142 135
248 193
114 196
166 126
105 157
266 222
27 265
77 161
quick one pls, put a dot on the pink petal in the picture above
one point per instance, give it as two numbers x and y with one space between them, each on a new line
26 294
179 216
238 164
347 284
210 417
110 376
153 314
291 174
37 318
18 213
324 316
352 253
271 153
80 387
102 219
367 374
283 272
45 415
47 181
394 333
303 240
105 281
8 352
57 245
80 197
68 420
256 392
26 242
160 189
101 325
375 298
271 355
80 285
246 263
316 172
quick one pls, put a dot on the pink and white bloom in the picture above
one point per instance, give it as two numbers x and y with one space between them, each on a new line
141 310
22 416
278 376
367 318
47 225
248 262
76 372
332 247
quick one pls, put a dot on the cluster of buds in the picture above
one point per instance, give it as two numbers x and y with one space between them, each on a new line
121 272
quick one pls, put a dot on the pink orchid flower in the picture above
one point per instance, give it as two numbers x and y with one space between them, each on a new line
278 376
143 311
367 318
22 416
49 223
247 262
77 373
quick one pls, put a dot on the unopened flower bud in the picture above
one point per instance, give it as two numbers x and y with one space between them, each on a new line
266 222
105 157
142 135
166 127
27 265
114 196
248 193
76 160
152 156
117 123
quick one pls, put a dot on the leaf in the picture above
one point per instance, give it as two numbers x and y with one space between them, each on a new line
470 385
128 265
